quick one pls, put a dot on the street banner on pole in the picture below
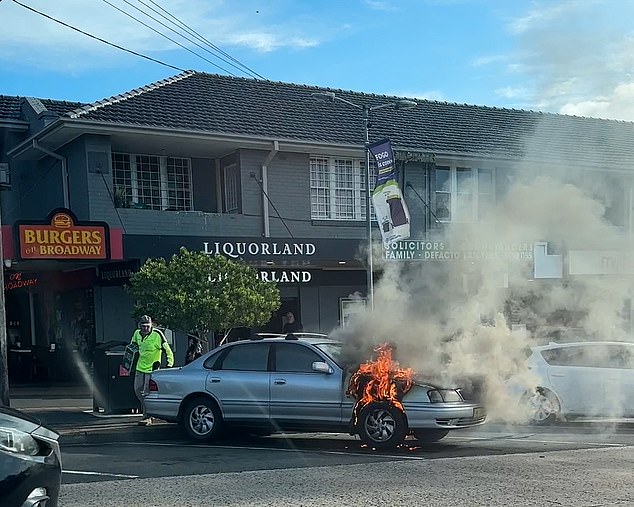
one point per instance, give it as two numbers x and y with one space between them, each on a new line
389 206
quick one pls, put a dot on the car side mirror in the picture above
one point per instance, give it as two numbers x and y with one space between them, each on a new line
322 367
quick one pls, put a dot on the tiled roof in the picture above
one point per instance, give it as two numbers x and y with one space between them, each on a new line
213 103
60 106
10 106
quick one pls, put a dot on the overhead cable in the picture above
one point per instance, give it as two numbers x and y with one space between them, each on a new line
99 38
194 33
166 37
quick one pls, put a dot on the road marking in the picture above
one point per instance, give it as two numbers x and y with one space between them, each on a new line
79 472
250 448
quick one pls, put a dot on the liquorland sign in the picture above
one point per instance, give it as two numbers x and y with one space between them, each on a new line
62 237
237 249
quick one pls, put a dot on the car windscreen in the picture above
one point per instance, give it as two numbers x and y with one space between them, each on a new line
332 349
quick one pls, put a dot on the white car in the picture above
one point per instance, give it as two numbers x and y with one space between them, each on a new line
581 379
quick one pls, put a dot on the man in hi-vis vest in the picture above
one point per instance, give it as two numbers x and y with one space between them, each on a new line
152 343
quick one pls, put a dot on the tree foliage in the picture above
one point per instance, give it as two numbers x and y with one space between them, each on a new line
200 293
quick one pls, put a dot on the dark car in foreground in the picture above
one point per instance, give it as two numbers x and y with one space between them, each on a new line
30 461
296 383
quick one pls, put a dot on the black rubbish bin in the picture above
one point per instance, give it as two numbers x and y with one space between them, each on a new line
20 365
113 389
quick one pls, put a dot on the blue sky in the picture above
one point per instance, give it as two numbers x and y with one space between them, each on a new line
562 56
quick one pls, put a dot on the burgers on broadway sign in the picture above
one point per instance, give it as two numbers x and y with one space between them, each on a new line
62 237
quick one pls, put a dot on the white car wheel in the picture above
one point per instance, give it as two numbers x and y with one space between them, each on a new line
542 406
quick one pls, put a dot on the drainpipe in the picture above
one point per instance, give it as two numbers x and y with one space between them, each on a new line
265 188
64 170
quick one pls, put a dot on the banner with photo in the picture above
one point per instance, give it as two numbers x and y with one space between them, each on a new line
390 208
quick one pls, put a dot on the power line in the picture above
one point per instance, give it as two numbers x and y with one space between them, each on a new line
194 33
98 38
165 36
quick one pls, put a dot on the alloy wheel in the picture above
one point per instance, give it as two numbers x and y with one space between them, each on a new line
201 420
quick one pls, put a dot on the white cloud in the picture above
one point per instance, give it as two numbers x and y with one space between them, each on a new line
618 105
265 42
483 61
379 5
421 95
513 93
578 56
29 39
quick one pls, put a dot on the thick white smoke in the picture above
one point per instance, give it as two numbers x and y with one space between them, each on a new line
452 320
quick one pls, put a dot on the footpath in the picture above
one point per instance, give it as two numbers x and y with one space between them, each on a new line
68 410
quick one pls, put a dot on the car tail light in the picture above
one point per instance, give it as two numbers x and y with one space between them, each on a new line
153 386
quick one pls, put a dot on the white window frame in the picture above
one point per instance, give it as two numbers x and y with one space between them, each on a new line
131 184
475 191
326 201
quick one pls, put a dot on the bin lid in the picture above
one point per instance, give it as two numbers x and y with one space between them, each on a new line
111 345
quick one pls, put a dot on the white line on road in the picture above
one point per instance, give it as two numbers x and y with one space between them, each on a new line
286 449
121 476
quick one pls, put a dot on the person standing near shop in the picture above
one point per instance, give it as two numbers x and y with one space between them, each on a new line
151 342
292 325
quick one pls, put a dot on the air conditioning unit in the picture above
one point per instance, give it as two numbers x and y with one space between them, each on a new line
5 175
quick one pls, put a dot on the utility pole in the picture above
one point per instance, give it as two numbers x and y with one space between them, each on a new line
4 368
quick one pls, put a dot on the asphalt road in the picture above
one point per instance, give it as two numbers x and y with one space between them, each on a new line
492 465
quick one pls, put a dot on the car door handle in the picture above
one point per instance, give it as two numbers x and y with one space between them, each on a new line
215 380
558 375
279 381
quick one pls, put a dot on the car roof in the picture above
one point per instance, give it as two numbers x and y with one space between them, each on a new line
556 345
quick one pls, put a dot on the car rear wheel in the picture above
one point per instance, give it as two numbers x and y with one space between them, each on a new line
202 419
430 436
542 406
382 426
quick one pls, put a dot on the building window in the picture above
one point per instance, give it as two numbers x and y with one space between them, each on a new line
231 188
338 188
463 194
154 182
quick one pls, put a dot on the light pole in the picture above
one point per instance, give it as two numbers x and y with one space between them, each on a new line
366 110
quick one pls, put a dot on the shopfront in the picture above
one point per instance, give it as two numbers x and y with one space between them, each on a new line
313 275
49 274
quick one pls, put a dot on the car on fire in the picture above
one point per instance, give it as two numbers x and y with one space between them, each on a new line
296 383
577 379
30 461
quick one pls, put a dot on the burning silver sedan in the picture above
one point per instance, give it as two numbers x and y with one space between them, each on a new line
292 383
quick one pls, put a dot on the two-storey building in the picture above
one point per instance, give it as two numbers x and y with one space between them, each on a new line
251 169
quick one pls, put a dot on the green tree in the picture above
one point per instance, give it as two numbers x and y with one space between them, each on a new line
199 293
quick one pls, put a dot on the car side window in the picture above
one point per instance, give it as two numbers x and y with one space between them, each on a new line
245 357
295 358
593 356
622 356
568 356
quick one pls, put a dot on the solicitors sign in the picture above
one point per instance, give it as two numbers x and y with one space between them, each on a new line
419 250
63 237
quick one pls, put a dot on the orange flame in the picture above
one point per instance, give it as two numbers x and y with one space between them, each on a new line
380 380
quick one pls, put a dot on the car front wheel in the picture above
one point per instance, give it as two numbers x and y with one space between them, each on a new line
382 426
202 419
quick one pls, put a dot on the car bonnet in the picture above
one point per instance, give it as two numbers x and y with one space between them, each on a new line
12 418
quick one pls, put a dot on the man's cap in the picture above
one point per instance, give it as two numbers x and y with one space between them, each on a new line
145 319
